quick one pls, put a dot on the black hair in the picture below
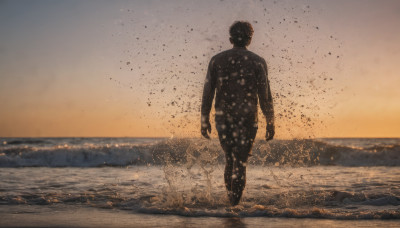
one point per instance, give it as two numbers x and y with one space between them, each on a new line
241 33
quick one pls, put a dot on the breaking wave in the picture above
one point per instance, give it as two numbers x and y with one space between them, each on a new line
308 204
302 152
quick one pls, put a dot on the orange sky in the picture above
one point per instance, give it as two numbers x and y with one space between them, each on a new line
136 69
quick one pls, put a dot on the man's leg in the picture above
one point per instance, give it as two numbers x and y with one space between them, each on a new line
226 140
228 169
235 171
241 153
236 155
238 175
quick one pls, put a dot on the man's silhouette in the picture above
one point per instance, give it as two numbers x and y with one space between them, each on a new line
239 79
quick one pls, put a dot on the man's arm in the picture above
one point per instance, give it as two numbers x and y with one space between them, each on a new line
208 96
266 102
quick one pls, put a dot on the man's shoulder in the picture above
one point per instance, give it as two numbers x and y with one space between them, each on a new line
235 52
222 54
255 57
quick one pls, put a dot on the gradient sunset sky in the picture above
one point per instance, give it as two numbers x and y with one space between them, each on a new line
137 68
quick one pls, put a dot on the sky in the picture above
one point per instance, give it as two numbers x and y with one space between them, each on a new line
137 68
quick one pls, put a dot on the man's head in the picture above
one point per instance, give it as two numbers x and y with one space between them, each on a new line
241 33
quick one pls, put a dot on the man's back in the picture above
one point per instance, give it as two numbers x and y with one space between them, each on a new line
239 77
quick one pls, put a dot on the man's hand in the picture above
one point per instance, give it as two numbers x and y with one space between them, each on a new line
270 132
205 127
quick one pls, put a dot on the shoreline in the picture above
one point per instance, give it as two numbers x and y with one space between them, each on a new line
73 216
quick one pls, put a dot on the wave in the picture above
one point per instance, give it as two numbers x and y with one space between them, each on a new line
271 211
302 152
327 204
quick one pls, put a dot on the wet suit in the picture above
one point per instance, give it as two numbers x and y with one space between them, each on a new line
239 79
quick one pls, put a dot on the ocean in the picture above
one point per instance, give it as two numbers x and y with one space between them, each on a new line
160 182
